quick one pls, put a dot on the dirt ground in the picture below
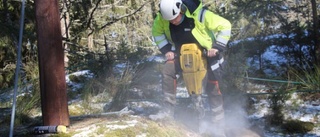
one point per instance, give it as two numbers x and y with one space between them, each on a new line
132 125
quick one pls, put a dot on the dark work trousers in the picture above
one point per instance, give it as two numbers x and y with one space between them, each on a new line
215 68
169 81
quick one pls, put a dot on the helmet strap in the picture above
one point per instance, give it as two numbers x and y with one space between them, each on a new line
183 8
182 18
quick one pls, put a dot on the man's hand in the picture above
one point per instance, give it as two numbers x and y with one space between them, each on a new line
169 55
212 52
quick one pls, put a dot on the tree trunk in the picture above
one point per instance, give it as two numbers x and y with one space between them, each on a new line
65 23
54 103
316 33
90 42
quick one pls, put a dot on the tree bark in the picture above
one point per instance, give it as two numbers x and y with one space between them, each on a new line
316 31
65 32
54 103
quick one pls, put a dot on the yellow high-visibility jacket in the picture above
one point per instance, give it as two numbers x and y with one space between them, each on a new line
210 29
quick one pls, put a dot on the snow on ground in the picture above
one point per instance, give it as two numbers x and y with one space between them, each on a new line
294 108
304 112
76 86
86 131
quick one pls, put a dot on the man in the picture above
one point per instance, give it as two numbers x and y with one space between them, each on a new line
181 22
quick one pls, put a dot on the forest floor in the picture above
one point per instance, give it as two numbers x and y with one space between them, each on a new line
133 120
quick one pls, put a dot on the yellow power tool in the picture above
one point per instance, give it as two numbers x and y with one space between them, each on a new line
194 69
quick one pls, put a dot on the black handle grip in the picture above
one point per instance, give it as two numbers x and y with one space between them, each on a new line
204 53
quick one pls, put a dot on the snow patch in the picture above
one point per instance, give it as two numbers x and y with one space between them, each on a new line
124 125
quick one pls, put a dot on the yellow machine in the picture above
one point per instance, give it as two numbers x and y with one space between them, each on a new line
194 69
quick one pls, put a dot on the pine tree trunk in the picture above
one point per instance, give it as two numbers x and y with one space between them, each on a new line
54 103
316 23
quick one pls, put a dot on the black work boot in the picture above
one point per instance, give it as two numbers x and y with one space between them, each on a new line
169 110
215 101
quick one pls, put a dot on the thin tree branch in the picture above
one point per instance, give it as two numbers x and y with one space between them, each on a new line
121 17
91 14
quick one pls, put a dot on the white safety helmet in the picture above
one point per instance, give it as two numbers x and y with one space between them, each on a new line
170 9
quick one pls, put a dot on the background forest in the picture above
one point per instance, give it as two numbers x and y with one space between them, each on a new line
276 39
102 32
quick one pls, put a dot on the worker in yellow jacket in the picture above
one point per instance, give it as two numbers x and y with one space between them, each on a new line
186 21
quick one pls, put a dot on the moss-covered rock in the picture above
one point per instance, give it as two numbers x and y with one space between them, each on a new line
296 126
77 79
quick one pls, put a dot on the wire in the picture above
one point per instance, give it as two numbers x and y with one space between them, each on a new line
272 80
17 68
276 93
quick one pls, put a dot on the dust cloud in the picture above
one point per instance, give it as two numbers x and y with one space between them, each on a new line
236 121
